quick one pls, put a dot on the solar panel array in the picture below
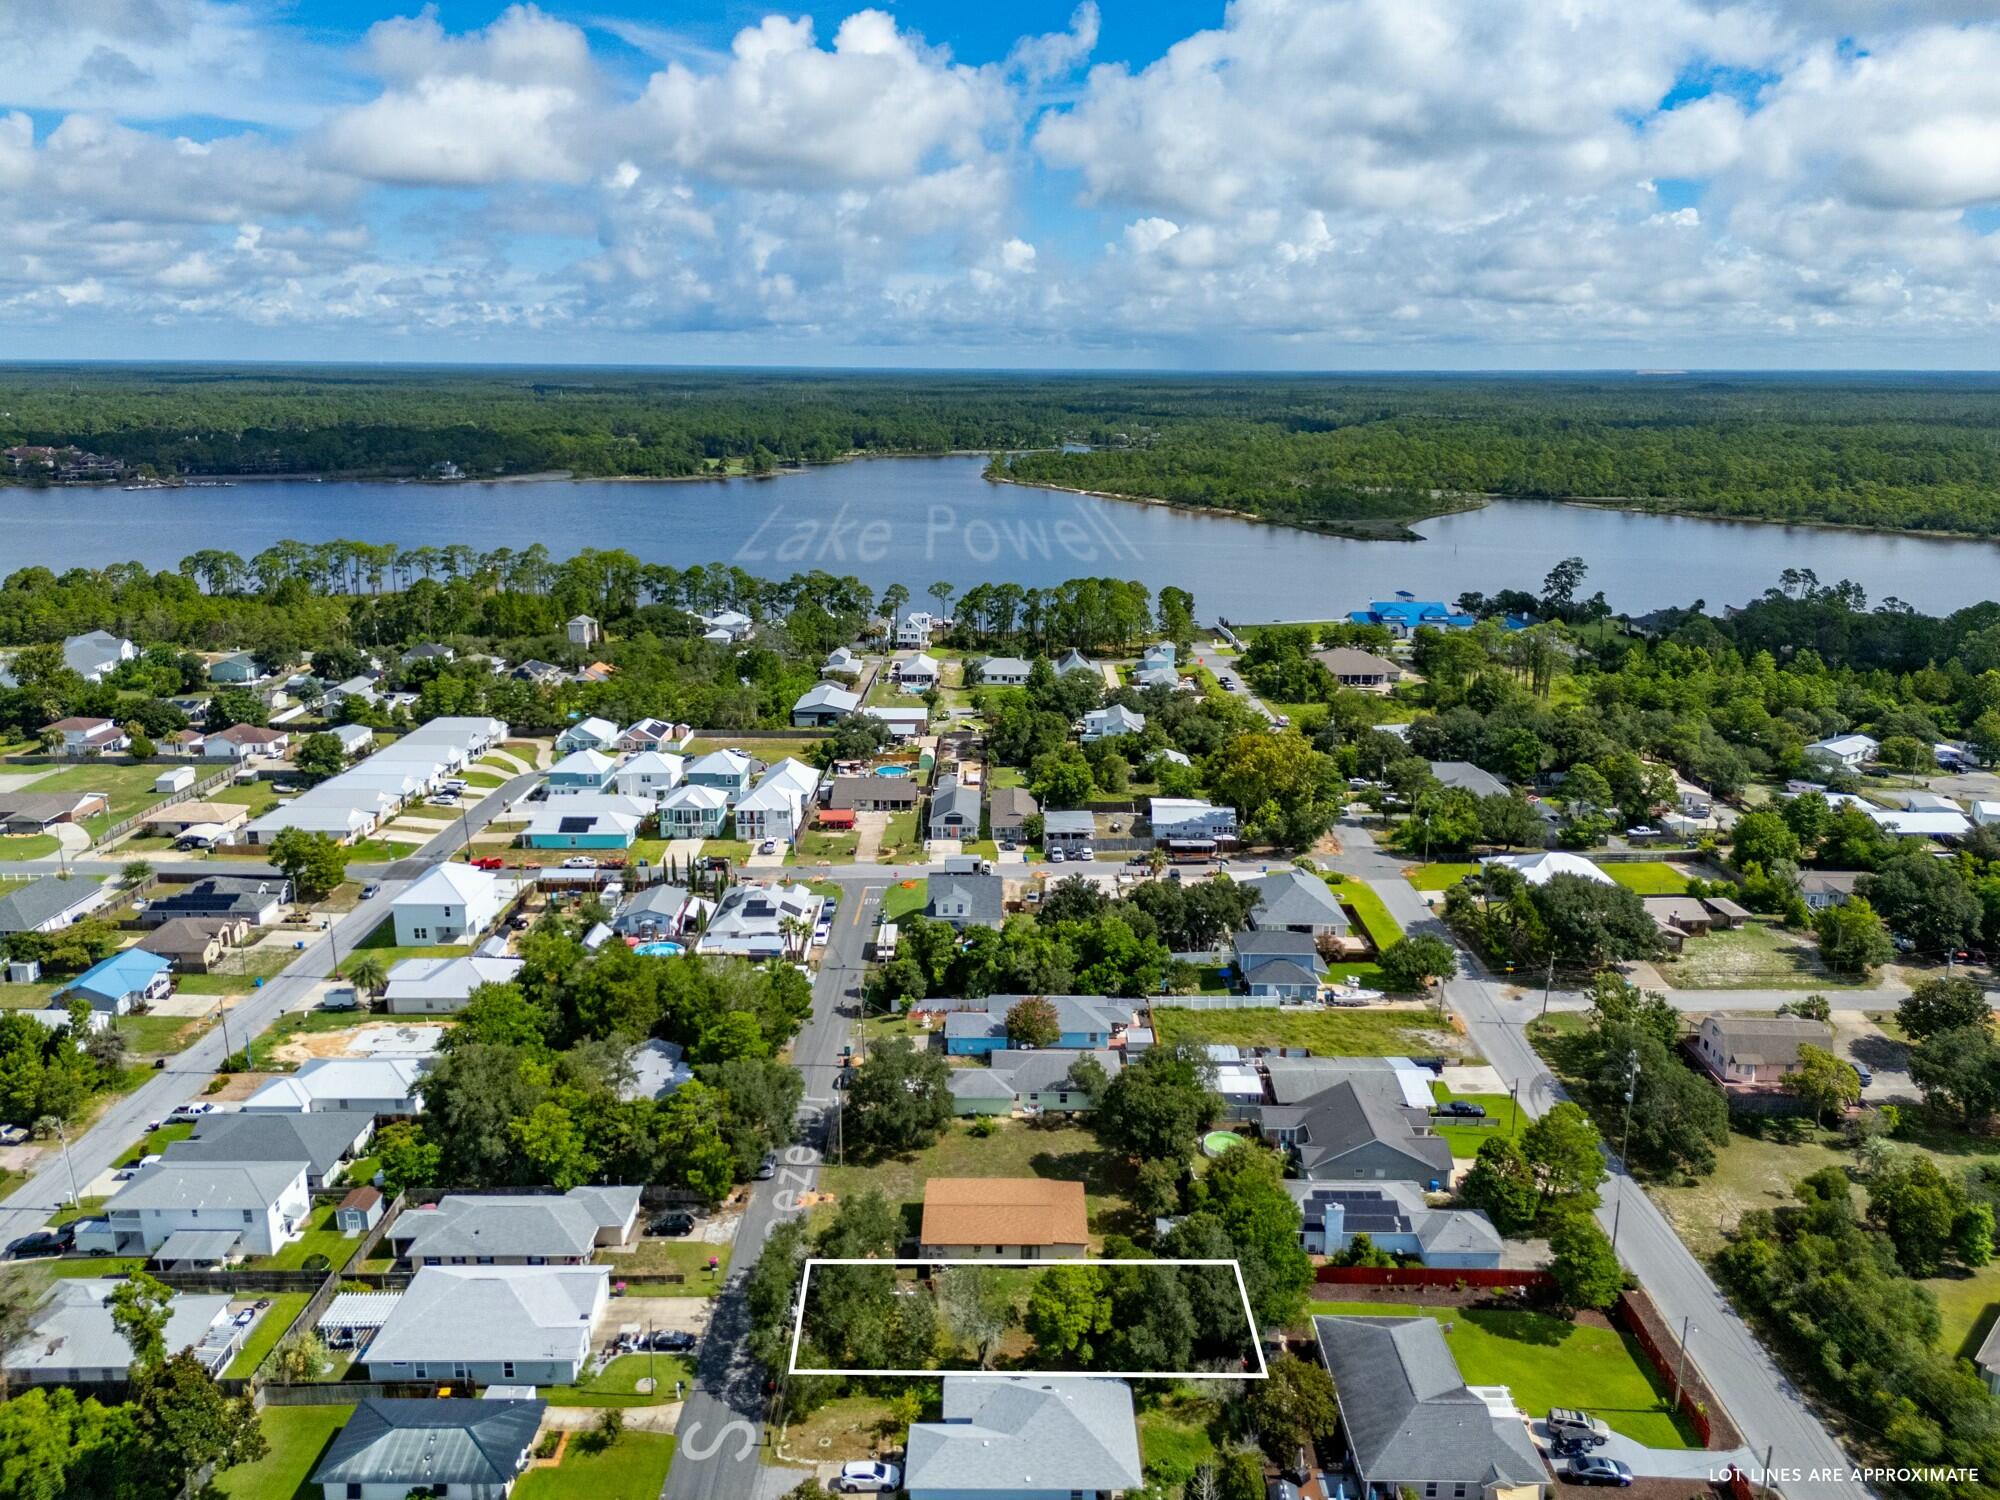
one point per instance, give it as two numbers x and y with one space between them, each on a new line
1363 1212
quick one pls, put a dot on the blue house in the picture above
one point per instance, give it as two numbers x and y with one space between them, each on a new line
122 982
580 772
1088 1022
1402 617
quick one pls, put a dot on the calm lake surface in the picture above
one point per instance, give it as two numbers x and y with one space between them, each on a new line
915 521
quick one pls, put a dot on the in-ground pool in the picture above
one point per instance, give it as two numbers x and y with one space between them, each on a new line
1218 1141
659 950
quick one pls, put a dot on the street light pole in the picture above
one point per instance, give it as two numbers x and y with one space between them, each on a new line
1549 985
75 1197
1680 1365
1624 1142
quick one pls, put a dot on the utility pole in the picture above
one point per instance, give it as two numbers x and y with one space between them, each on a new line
1680 1365
75 1197
1549 985
1624 1141
1514 1124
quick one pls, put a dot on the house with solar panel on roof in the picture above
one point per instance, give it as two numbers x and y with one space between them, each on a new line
588 821
1397 1218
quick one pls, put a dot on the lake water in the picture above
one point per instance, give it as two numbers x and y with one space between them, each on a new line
916 521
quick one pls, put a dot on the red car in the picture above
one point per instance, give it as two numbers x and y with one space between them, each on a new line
490 862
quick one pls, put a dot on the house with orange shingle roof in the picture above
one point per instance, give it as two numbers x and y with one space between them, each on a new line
1003 1218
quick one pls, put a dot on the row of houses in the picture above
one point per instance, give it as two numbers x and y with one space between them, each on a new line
353 804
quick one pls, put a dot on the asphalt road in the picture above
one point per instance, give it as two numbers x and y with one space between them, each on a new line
721 1432
126 1117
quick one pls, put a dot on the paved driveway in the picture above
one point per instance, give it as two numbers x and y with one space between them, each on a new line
1699 1464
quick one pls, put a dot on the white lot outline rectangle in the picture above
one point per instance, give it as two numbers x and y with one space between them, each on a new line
1249 1321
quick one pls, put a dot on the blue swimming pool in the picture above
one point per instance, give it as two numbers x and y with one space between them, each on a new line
659 950
892 770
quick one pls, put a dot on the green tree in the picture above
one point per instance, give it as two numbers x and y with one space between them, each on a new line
300 1357
1852 938
1156 1189
1824 1083
1068 1310
1959 1070
1411 962
1060 778
1926 900
1763 839
139 1311
1927 1215
1585 1267
978 1307
1160 1105
553 1144
367 973
1502 1184
315 863
319 756
1509 820
184 1424
1032 1022
1291 1408
136 872
1943 1003
898 1101
1562 1149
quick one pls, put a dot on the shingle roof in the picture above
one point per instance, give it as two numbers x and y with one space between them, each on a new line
1035 1072
431 1442
1293 898
1351 1115
1769 1039
73 1330
318 1139
524 1225
491 1313
1005 1435
208 1184
1467 777
26 907
1003 1211
981 893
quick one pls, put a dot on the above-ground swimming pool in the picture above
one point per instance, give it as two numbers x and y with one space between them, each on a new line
892 770
659 950
1218 1141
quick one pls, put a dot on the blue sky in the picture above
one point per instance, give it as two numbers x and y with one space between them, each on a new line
1285 184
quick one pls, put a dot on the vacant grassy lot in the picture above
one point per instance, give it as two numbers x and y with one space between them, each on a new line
1549 1361
1062 1153
1649 877
1759 955
1437 877
257 796
617 1384
268 1329
846 1428
1362 1032
1367 909
28 845
904 897
901 836
636 1464
298 1436
820 846
129 788
157 1036
652 1258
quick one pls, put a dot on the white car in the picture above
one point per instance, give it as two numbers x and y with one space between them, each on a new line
1086 854
1056 856
868 1476
579 862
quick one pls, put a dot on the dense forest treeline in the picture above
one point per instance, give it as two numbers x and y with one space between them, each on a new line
1340 453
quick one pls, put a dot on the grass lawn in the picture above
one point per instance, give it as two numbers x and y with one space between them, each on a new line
818 846
28 845
1466 1139
1549 1361
268 1329
653 1257
848 1427
379 851
157 1140
1437 877
1651 877
257 796
636 1464
1967 1302
1063 1153
26 996
906 896
769 751
1173 1438
1360 1032
298 1436
617 1384
152 1036
1367 908
1759 955
999 776
319 1238
901 836
128 788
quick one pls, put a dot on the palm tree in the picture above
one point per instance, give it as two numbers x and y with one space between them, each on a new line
367 973
1156 861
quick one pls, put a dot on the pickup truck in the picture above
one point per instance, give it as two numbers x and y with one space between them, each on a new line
489 862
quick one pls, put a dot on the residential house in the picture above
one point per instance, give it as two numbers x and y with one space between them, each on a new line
359 689
1156 677
1107 723
1749 1050
525 1325
541 673
587 734
823 705
1087 1023
761 921
174 779
966 900
258 900
776 807
1003 1218
1824 888
96 653
841 662
1026 1437
658 1067
37 812
649 775
693 812
902 723
1297 901
1397 1218
587 821
47 904
1987 1360
1852 751
261 1205
126 981
582 630
873 793
72 1340
1354 668
917 674
727 771
81 737
728 625
1031 1081
1359 1129
1009 809
242 742
457 1447
195 945
237 667
1404 617
448 903
954 810
1191 825
1159 654
1540 869
1467 777
516 1229
1409 1423
442 986
1067 831
1678 918
324 1140
1986 813
178 817
429 651
371 1085
913 631
580 773
1004 671
658 911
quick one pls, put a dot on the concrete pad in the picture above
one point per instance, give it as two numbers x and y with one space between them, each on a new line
73 838
1482 1079
14 781
435 825
396 1041
766 861
681 851
1696 1464
404 836
186 1005
936 849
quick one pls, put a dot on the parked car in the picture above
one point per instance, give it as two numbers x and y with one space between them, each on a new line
868 1476
1086 853
489 862
371 890
1595 1468
1862 1072
579 862
1056 856
674 1341
769 846
1579 1426
676 1222
768 1167
1465 1109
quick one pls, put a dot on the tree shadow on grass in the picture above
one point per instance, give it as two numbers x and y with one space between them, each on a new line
1517 1325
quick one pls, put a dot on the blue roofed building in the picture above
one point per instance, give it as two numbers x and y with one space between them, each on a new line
123 982
1403 617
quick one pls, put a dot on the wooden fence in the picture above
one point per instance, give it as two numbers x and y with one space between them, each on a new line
1635 1313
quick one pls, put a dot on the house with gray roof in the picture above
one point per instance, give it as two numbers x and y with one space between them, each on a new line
954 810
1009 809
1409 1422
1109 723
1396 1217
1359 1130
515 1229
655 912
1467 777
1004 671
1276 964
1296 901
1087 1023
1067 830
48 904
513 1325
262 1205
72 1340
966 900
456 1446
1074 660
323 1141
1025 1438
258 900
1027 1080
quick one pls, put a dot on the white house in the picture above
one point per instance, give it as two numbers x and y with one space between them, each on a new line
449 903
728 625
822 705
372 1085
761 921
73 1341
649 775
492 1325
439 986
261 1204
1025 1438
460 1448
587 734
1540 869
913 630
582 630
84 736
1190 820
776 807
1850 750
97 652
918 674
1107 723
1004 671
